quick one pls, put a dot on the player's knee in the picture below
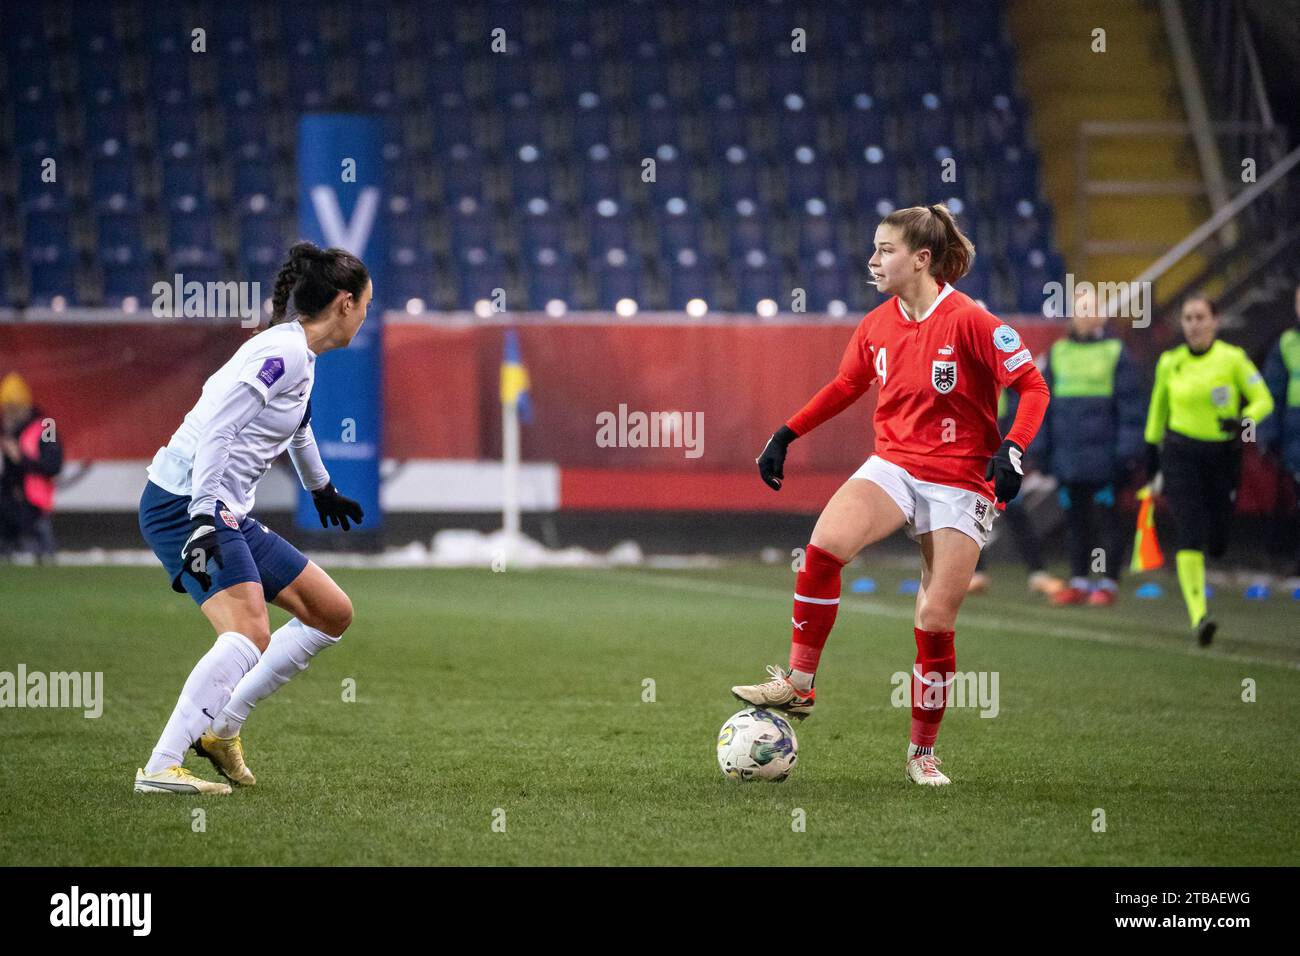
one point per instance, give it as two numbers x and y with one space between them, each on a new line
336 617
937 615
257 632
832 544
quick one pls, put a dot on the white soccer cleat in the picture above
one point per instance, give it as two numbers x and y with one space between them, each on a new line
779 693
924 769
176 779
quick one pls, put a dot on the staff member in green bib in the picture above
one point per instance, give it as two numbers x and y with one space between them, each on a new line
1280 433
1092 444
1207 395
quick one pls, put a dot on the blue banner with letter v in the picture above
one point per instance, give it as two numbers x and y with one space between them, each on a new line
341 198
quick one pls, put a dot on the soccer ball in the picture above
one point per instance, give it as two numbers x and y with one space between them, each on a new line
757 744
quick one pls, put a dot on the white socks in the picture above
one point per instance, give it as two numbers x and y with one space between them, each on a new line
802 680
291 647
205 692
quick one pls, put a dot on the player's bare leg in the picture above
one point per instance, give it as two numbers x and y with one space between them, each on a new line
858 515
948 559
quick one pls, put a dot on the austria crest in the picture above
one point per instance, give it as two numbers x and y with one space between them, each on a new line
943 375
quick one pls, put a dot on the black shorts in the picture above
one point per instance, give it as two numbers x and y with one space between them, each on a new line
1201 479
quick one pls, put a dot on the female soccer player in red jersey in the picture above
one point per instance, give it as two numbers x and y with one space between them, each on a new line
939 463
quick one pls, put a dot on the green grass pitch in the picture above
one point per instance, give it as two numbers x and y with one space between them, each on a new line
518 697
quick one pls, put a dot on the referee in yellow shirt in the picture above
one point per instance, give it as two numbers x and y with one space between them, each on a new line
1207 399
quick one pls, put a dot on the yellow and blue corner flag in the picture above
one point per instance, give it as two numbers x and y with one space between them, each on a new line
514 378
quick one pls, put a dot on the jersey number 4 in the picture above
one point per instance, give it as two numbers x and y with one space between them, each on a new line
880 365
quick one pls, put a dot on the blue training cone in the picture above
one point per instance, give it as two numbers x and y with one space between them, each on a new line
1150 590
909 586
863 586
1257 592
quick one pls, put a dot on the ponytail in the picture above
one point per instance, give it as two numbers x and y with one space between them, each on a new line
933 228
310 279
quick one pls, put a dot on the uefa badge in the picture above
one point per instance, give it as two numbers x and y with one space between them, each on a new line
943 376
1006 339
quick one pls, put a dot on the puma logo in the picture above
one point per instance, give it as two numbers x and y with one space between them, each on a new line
206 714
798 625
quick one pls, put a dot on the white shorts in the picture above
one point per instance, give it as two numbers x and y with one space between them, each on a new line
929 506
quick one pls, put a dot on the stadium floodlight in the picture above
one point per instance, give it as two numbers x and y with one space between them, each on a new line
625 307
837 307
696 308
767 308
483 308
414 306
556 308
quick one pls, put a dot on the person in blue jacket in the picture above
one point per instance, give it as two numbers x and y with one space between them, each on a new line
1092 443
1279 433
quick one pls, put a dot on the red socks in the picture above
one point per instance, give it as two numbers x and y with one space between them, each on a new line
936 666
816 599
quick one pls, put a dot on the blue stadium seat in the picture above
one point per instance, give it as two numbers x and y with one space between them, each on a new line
757 276
549 275
607 226
52 273
615 281
411 274
48 224
601 175
690 282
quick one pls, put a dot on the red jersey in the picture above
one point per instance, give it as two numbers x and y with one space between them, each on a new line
936 414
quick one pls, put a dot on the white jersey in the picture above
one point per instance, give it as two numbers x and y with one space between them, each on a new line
280 367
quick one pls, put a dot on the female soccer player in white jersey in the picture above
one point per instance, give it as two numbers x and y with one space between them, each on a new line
939 462
196 515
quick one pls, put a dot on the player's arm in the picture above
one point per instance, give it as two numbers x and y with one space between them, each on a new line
1158 411
239 406
331 506
855 375
1259 400
305 455
1004 468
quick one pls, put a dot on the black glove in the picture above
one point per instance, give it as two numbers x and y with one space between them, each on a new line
1005 472
1231 426
771 463
334 509
200 549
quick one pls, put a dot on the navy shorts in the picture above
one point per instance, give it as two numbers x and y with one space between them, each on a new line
253 553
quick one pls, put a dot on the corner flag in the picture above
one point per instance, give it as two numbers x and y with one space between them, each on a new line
514 379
